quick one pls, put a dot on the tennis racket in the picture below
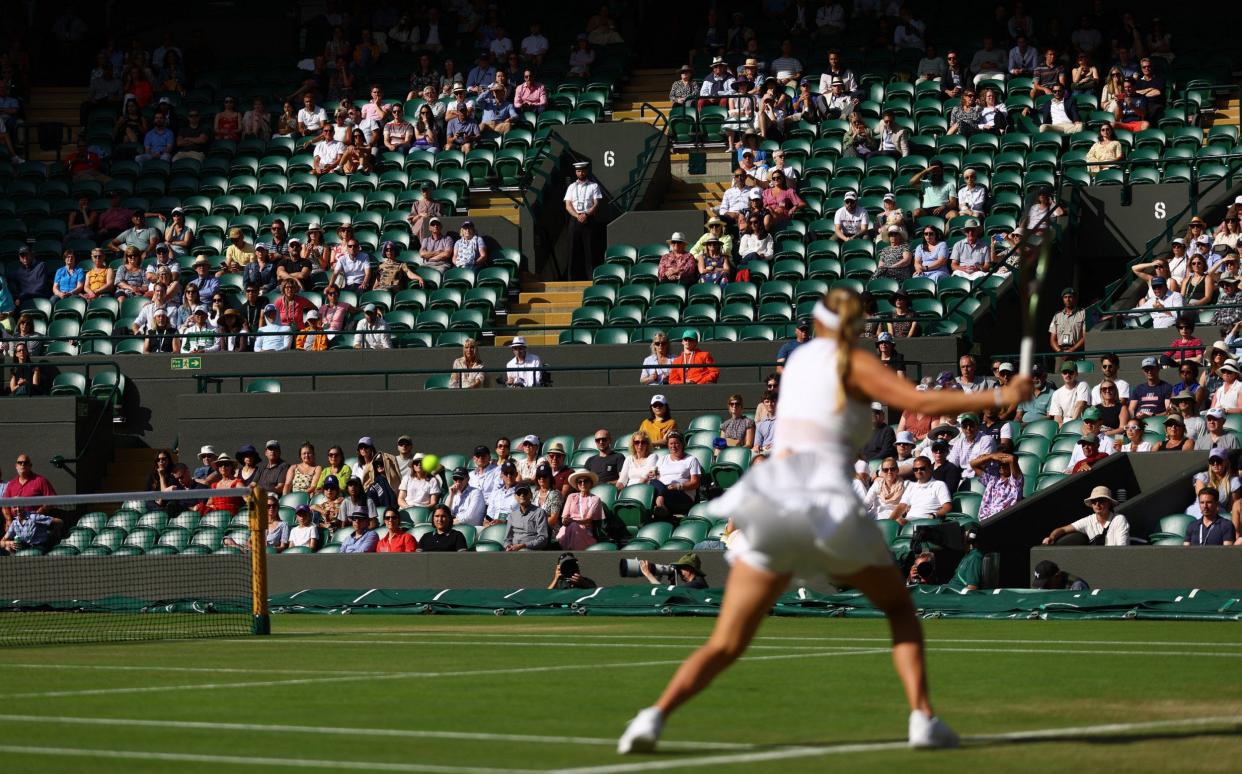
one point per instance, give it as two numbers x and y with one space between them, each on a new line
1032 255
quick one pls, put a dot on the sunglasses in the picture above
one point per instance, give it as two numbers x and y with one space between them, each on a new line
921 469
735 403
894 470
1216 462
642 443
605 439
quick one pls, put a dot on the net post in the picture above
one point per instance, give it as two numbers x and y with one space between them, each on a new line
261 623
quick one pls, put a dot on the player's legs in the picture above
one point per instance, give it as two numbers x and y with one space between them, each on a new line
884 588
749 596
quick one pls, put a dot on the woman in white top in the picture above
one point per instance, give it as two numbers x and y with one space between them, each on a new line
1227 395
1229 233
640 463
655 365
800 516
1134 430
305 534
419 489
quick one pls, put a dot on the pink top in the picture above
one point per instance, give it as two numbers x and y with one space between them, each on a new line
536 96
577 533
787 199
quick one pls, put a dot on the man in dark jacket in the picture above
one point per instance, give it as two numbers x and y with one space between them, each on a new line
883 442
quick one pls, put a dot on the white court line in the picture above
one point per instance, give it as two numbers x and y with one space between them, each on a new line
239 760
401 675
812 752
131 668
931 647
357 732
759 638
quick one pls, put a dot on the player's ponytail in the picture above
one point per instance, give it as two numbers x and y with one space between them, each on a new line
840 314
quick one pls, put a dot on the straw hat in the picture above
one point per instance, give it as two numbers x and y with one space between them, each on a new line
578 475
1100 492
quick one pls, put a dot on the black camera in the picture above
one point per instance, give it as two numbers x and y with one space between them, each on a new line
568 565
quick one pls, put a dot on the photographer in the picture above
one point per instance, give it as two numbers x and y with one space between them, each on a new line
923 571
567 575
688 570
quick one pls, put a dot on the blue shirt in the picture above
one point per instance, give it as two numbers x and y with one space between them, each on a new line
66 280
1198 534
34 530
360 544
787 349
206 286
268 341
480 77
6 298
158 140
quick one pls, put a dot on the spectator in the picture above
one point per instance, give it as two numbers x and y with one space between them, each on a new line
422 212
1091 453
297 266
1003 488
1106 149
1218 436
605 464
923 498
532 95
883 438
581 513
660 423
972 198
939 195
70 279
159 142
737 429
396 540
30 530
931 256
462 129
1000 430
312 338
161 334
261 270
1103 527
1186 349
301 477
363 539
802 334
891 139
1092 423
1228 305
1228 397
967 381
305 534
1070 399
886 490
1130 110
733 202
888 216
355 502
851 220
418 488
640 463
714 266
886 350
964 118
970 257
655 366
353 269
530 463
1068 331
1059 114
678 264
273 474
942 469
1109 364
139 236
555 454
372 330
469 251
523 370
994 114
527 523
678 476
272 336
1022 58
468 369
436 249
1152 397
765 428
1210 529
970 445
780 201
248 457
27 483
693 365
464 501
328 507
27 278
226 466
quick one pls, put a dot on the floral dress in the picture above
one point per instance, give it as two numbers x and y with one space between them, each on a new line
715 274
887 259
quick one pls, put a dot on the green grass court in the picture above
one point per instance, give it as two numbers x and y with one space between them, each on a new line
473 694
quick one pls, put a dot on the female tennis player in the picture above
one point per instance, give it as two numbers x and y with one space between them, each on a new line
799 514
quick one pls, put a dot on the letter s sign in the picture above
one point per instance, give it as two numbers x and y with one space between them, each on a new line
1159 211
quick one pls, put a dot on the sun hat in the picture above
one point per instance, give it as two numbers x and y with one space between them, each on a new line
1100 493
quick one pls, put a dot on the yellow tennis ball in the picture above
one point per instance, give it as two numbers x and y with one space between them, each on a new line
431 463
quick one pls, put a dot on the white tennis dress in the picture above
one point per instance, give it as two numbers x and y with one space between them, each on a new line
798 511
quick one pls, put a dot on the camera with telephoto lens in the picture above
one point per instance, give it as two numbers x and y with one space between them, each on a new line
568 565
632 568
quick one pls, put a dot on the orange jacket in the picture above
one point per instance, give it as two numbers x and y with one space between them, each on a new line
706 373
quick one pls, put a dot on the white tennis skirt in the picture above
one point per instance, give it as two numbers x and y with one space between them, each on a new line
799 515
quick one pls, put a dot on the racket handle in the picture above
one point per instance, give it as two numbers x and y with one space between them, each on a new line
1027 355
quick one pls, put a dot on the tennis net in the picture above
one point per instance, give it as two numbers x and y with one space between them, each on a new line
133 566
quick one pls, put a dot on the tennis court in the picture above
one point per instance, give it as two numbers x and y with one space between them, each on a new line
477 694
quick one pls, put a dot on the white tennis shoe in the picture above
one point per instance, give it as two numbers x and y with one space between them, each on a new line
928 733
642 733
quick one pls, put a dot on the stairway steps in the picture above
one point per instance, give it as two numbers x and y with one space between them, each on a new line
549 297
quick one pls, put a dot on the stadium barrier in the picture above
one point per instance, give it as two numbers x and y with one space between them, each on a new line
931 601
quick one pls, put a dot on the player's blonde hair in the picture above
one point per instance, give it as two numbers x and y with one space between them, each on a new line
847 306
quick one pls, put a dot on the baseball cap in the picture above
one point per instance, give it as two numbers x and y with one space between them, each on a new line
460 473
1006 367
1069 365
877 406
531 439
272 444
207 450
690 333
658 398
967 417
1159 282
1218 453
405 439
482 451
804 324
508 468
1214 413
366 440
1045 571
850 196
311 314
331 482
1089 438
905 436
1092 414
368 308
269 309
1150 362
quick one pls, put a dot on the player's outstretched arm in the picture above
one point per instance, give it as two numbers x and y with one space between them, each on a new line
868 376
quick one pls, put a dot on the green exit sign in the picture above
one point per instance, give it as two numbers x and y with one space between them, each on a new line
186 363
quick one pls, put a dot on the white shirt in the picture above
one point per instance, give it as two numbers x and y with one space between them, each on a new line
534 45
852 223
351 268
671 471
962 451
584 195
374 335
302 536
1123 391
467 506
925 499
972 198
418 491
1118 529
528 372
734 200
634 471
1159 317
753 244
1057 110
328 151
1107 446
312 119
1064 400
